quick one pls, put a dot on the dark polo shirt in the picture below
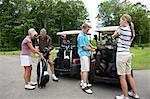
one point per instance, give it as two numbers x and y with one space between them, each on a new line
42 43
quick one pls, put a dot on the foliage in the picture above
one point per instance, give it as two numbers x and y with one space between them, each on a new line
110 12
17 16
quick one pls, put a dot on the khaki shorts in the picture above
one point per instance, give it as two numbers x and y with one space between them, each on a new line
123 63
85 63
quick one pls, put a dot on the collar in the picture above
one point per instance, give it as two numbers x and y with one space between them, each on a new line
83 33
42 38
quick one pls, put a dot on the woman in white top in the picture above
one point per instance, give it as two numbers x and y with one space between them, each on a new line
126 35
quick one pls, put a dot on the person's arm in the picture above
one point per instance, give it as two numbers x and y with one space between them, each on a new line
116 33
82 42
93 47
88 48
37 48
34 50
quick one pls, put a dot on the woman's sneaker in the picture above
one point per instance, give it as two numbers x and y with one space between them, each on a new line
33 83
29 87
135 96
54 77
89 85
121 97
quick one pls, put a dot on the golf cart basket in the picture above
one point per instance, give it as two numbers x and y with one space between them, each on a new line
106 53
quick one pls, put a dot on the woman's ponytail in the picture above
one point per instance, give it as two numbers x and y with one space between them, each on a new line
132 30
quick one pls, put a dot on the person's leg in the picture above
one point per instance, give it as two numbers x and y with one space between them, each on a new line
52 70
85 76
81 75
129 76
85 69
121 71
30 71
51 67
25 75
81 84
124 86
132 83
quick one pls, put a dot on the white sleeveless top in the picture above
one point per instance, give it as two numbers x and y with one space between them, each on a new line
124 41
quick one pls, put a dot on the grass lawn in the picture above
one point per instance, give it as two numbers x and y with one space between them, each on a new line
141 59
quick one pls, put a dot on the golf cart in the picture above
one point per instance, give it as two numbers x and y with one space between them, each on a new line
103 68
67 61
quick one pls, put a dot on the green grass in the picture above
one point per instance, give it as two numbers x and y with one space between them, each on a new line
10 53
140 61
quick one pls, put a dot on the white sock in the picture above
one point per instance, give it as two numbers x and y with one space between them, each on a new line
126 97
53 75
84 85
82 81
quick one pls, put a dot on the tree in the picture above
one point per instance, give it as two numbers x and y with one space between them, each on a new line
17 16
111 11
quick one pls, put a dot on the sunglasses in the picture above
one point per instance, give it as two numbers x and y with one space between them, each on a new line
35 35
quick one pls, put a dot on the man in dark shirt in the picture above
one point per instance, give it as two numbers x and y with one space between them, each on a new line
44 42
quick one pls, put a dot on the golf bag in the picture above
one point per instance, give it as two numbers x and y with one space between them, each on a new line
64 56
106 58
42 73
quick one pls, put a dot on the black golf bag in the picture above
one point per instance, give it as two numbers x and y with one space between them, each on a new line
42 73
106 59
64 56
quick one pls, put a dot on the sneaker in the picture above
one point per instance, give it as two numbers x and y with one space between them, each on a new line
81 84
121 97
135 96
89 85
29 87
54 77
33 83
87 90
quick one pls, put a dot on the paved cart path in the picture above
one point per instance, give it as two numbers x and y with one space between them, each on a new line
12 86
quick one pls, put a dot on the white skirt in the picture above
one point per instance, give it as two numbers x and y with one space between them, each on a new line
25 60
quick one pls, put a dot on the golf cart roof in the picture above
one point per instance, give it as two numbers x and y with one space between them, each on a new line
73 32
107 29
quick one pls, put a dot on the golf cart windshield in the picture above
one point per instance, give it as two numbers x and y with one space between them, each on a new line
71 36
105 35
